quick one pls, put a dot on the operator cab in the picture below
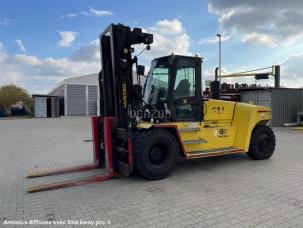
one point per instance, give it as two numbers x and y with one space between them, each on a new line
174 84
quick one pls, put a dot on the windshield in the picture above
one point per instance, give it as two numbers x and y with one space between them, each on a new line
156 87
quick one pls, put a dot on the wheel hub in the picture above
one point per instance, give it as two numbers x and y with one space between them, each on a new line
265 142
157 155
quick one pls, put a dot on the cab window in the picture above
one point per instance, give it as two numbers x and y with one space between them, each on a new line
185 82
157 85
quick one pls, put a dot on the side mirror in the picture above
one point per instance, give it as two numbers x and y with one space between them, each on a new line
140 70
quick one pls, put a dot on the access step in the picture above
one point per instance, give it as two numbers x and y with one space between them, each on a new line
213 152
195 141
189 129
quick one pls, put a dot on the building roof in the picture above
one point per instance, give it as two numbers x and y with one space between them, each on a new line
89 79
42 95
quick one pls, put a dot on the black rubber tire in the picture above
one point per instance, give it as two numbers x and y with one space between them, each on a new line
155 153
262 143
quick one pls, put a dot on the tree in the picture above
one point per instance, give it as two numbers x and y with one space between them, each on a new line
11 94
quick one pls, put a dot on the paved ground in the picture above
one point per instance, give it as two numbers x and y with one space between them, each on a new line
231 191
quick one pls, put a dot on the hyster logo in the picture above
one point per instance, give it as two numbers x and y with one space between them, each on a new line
124 95
222 133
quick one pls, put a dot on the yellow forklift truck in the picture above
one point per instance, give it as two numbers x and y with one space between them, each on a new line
148 129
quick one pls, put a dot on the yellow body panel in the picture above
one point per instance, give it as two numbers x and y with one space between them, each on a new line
226 124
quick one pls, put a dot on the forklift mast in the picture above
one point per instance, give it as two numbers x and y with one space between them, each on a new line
116 77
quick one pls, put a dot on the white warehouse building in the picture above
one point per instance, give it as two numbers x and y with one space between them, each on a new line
78 96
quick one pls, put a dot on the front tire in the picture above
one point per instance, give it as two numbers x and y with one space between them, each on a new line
155 153
262 143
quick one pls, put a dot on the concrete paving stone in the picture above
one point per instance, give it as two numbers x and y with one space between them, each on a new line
231 191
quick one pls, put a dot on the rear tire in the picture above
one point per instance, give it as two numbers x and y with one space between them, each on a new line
262 143
155 153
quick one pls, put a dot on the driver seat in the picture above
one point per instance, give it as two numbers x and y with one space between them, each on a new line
182 89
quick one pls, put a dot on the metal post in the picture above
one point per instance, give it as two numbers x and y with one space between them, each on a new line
216 73
277 76
219 35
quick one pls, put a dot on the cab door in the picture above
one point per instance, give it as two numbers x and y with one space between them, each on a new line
187 103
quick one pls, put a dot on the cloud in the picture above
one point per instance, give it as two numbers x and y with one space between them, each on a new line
3 53
51 67
20 44
27 60
213 40
261 38
67 38
271 22
9 72
166 26
97 13
88 52
291 71
90 12
169 37
39 75
5 21
70 15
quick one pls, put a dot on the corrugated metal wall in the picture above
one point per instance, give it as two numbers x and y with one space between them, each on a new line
285 104
258 97
40 107
58 92
79 102
92 100
75 100
55 106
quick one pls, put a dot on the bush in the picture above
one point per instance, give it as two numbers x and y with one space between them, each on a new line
11 94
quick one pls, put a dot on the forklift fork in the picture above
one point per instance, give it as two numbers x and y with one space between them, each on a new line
73 169
101 159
